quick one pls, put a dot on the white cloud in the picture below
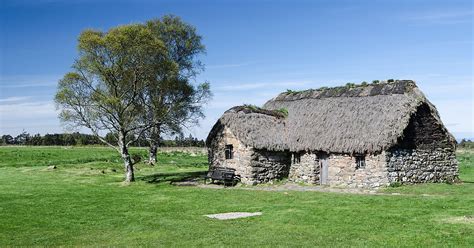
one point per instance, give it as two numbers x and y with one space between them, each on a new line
25 111
14 99
252 86
24 81
440 16
229 65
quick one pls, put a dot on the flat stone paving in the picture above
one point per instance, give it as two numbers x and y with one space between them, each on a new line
296 187
232 215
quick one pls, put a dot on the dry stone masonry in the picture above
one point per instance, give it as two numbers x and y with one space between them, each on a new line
420 166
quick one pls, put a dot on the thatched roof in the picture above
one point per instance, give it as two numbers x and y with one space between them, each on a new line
360 119
254 128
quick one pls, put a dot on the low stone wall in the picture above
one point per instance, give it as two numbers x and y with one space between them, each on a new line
190 150
306 170
420 166
343 172
266 166
241 155
251 165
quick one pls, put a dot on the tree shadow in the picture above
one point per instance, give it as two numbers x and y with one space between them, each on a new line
174 177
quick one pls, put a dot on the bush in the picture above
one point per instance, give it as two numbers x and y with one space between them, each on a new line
395 184
283 111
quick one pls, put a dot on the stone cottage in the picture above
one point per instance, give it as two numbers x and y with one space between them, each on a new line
363 136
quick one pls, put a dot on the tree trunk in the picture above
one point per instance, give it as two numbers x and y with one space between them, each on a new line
152 153
128 164
154 143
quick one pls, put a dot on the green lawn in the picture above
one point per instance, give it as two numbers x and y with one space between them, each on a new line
84 203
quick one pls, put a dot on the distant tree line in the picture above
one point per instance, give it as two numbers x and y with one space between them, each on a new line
465 143
80 139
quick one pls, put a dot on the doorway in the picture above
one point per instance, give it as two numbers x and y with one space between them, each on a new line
323 168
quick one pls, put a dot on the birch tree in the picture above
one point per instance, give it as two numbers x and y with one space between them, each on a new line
172 100
104 90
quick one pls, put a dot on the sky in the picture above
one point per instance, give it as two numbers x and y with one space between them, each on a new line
255 50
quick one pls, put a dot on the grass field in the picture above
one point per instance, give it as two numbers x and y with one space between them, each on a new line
84 203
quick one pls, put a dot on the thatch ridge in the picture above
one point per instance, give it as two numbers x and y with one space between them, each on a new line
396 87
247 109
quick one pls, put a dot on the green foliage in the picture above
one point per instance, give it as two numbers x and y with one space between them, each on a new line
350 85
375 82
283 111
364 83
466 144
395 184
252 107
390 80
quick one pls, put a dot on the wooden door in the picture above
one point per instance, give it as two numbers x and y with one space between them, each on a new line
323 163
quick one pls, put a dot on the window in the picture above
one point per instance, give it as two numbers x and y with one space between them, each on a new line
296 158
229 152
360 161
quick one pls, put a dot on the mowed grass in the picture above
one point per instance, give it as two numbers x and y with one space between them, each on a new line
84 203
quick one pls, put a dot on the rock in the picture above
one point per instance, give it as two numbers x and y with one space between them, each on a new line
232 215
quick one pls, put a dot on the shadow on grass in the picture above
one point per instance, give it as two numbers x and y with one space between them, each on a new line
174 177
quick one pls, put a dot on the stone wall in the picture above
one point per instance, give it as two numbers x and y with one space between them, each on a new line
269 165
241 154
253 166
306 170
420 166
343 172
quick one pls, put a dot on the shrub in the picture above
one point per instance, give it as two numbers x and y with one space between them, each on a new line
350 85
283 111
395 184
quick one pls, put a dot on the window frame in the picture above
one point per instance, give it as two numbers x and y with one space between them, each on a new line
229 151
360 161
296 158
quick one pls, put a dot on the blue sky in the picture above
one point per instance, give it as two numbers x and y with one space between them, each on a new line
255 49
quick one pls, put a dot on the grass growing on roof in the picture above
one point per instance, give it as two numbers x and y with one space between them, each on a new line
76 206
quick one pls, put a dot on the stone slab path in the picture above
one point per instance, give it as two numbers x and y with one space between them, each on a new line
232 215
315 188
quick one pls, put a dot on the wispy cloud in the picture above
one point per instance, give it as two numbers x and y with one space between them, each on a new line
441 16
26 81
14 99
23 111
252 86
220 66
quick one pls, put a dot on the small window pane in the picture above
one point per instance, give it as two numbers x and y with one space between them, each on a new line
229 152
296 158
360 161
